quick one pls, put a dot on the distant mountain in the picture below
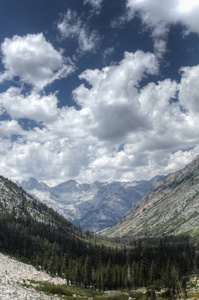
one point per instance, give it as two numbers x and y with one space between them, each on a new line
34 184
91 206
170 208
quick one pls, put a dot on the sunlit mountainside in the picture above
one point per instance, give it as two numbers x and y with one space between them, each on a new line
171 207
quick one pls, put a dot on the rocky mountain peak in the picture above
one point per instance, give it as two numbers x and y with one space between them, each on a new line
32 184
67 186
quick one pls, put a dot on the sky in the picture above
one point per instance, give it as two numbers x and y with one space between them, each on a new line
98 90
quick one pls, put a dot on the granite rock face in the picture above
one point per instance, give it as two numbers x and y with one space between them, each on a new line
171 207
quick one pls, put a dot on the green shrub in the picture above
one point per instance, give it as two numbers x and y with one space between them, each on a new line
54 289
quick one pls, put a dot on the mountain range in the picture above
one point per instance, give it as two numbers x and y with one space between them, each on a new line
94 206
171 207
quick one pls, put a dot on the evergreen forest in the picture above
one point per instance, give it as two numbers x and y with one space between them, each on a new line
84 260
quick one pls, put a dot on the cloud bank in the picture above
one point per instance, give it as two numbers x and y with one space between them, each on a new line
126 125
123 131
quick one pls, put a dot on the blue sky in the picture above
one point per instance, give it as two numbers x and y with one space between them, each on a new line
98 89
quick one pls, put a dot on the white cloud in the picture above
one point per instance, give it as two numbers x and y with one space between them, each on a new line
179 159
52 161
113 100
9 128
33 60
156 13
148 122
72 26
87 42
96 4
32 106
159 15
86 144
189 89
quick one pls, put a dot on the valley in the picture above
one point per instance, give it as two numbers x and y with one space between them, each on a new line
94 206
99 150
151 252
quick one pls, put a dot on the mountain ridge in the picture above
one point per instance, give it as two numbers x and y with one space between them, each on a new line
91 206
170 207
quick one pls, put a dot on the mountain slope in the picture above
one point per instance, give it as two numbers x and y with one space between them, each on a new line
170 207
16 201
16 204
91 206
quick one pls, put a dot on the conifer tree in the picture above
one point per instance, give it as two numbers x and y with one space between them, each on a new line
87 272
143 267
77 275
109 275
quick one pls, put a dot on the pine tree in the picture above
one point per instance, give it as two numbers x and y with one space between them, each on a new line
128 262
77 275
143 267
87 272
109 275
152 272
175 283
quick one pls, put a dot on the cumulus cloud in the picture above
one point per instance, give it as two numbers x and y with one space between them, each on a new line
10 128
159 15
32 106
53 160
113 100
151 122
72 26
33 60
189 90
123 131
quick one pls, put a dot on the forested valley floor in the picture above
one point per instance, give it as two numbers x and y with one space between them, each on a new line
86 262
